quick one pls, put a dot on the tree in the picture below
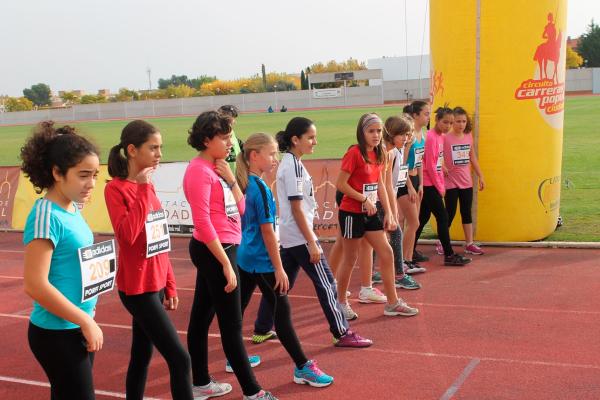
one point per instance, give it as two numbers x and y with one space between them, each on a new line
127 95
39 94
303 81
589 46
18 104
574 60
92 98
264 76
179 91
196 83
177 80
70 98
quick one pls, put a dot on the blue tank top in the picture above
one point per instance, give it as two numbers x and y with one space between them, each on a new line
415 153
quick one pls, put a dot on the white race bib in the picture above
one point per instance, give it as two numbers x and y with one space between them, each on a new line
98 265
370 192
419 153
461 154
402 176
158 239
229 200
440 161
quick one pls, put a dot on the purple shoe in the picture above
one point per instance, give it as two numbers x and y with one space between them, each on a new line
352 339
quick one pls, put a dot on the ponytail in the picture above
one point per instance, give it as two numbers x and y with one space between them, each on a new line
297 126
414 108
136 133
255 142
242 171
49 148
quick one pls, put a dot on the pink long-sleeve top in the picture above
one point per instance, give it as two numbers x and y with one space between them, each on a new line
432 161
205 194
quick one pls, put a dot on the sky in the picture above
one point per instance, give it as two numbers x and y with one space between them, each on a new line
91 45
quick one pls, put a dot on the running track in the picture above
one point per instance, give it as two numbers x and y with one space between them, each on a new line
515 324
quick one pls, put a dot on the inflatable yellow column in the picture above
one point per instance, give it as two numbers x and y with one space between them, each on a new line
504 61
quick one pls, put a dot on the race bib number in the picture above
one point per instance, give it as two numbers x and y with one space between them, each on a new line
230 204
98 265
460 154
370 192
419 153
158 239
440 161
402 176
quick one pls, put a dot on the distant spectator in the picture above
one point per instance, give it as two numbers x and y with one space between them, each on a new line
283 108
270 109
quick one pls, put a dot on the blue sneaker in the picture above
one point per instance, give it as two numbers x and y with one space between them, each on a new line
253 360
311 374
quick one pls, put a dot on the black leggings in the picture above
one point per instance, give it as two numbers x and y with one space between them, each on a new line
210 297
280 308
465 198
64 357
433 203
151 326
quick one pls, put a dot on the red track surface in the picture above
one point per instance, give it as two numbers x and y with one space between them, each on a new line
515 324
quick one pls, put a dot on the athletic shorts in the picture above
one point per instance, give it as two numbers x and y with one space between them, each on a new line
402 191
338 197
354 225
415 181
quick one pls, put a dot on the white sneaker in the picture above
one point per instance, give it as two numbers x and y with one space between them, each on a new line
371 295
400 308
349 313
213 389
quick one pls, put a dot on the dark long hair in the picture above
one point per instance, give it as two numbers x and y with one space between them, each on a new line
207 126
136 133
461 111
362 143
297 126
48 148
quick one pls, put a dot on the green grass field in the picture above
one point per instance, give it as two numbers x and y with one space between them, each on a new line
580 207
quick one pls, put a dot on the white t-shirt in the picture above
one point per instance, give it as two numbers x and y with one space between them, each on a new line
294 183
399 170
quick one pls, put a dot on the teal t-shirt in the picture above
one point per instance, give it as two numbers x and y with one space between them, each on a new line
252 255
416 153
68 232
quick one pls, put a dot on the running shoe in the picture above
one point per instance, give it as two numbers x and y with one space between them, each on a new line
414 268
262 395
456 260
253 360
376 278
312 375
371 295
213 389
407 282
419 257
400 308
259 338
474 249
439 248
349 313
352 339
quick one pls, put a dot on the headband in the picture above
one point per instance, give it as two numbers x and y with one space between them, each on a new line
370 120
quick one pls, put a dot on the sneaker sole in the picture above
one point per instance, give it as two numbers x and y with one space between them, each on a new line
396 313
303 381
230 370
208 396
351 318
259 341
474 253
369 301
354 345
408 287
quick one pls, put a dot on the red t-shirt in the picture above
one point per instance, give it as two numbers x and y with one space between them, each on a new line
363 177
128 204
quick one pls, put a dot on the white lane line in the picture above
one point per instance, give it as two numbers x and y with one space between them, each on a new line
46 384
460 380
385 351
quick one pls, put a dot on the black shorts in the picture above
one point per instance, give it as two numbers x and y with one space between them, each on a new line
415 181
402 191
338 197
354 225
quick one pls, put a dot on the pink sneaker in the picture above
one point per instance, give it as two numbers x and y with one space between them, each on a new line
473 249
439 248
352 339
